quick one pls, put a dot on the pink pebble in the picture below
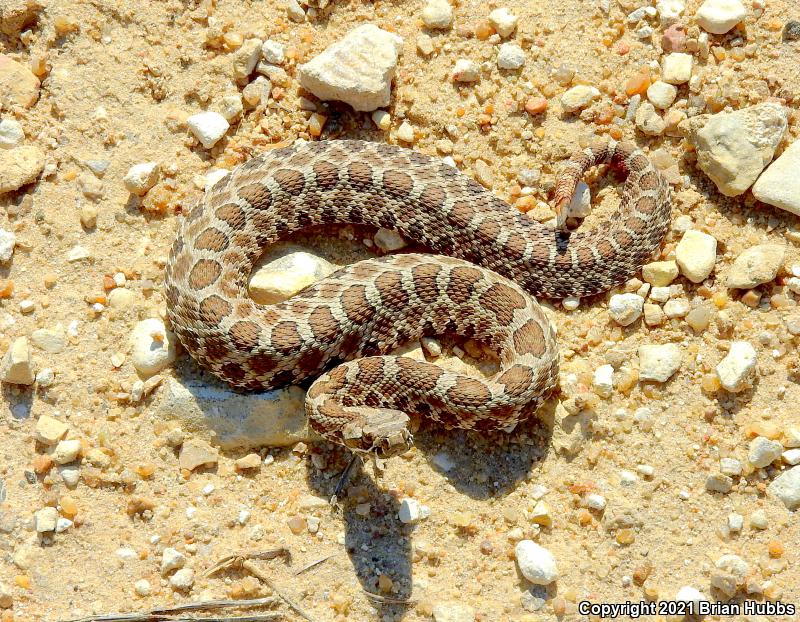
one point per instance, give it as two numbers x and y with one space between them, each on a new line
674 39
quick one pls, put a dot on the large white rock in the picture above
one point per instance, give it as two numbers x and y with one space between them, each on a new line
734 147
756 265
719 16
7 242
779 185
625 309
152 347
787 487
578 97
16 366
763 451
536 563
286 271
211 410
737 370
696 255
208 127
659 362
357 70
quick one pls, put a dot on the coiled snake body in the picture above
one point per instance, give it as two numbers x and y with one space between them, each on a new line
347 322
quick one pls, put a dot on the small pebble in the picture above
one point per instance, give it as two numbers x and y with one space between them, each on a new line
16 367
737 370
786 487
503 21
183 579
660 273
676 68
294 11
141 177
763 451
720 16
67 451
578 97
661 94
625 309
735 522
759 520
510 56
406 132
142 588
382 119
152 347
756 265
696 255
389 240
791 31
7 242
536 563
273 52
11 134
45 520
412 511
208 127
659 362
603 381
437 14
595 502
171 559
466 70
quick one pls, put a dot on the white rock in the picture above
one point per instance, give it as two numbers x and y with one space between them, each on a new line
669 10
357 70
406 132
734 147
62 524
659 362
284 272
412 511
730 466
779 185
787 487
388 240
737 370
273 52
141 177
735 522
603 381
16 367
756 265
759 519
49 430
142 588
437 14
676 68
763 451
510 56
466 70
78 253
696 255
45 520
183 579
661 94
503 21
453 612
595 502
172 559
688 594
719 16
625 309
213 176
676 308
208 127
648 121
67 451
382 119
45 377
580 206
660 293
11 134
7 242
791 456
245 59
152 347
536 563
578 97
50 340
294 11
233 419
231 107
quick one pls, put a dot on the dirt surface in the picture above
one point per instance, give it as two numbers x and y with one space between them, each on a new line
119 79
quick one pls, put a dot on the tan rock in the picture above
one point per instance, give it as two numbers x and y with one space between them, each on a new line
49 430
196 453
19 167
16 366
18 86
758 264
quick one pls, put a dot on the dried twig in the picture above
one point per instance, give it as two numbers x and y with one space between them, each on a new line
164 614
387 600
243 561
312 564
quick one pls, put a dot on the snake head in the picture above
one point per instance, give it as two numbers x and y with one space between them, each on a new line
380 432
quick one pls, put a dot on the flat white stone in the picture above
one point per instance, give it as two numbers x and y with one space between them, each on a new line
720 16
510 56
141 177
659 362
696 255
152 347
625 309
787 487
45 520
357 70
16 367
779 185
756 265
737 369
412 511
764 451
286 271
536 563
208 127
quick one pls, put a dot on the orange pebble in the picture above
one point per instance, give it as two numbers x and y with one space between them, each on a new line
639 83
536 105
483 30
6 288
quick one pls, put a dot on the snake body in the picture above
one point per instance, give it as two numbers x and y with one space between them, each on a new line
339 329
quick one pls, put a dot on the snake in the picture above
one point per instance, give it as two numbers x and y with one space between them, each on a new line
488 261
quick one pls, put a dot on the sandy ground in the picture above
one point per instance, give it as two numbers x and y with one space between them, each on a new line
120 79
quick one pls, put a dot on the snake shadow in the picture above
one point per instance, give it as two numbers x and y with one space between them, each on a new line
479 465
